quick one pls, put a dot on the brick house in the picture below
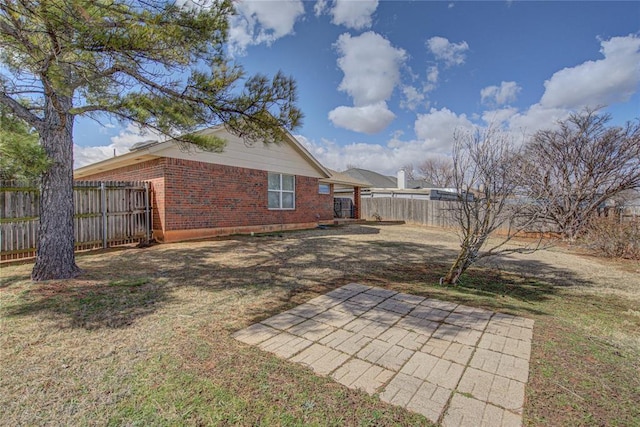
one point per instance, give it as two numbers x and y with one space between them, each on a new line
246 188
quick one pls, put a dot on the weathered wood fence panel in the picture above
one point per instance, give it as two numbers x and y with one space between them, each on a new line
434 213
107 213
437 213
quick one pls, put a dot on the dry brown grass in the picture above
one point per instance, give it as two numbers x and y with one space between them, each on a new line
143 337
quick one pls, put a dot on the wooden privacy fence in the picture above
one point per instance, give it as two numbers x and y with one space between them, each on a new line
107 213
434 213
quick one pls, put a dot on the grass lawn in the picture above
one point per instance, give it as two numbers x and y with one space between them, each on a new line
143 337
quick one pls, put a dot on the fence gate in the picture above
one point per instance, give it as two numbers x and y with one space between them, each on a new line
107 213
343 207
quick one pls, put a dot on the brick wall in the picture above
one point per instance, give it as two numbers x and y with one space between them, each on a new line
356 202
191 195
204 195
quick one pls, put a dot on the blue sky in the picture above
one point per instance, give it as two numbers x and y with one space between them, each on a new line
385 83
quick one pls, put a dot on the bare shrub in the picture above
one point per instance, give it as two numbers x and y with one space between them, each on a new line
611 238
573 169
486 172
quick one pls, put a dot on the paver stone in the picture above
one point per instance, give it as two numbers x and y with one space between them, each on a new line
283 321
322 359
429 401
401 389
449 350
384 293
285 345
255 334
311 330
335 318
357 373
411 299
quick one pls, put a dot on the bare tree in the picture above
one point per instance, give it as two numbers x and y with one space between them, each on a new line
486 179
574 170
409 172
438 171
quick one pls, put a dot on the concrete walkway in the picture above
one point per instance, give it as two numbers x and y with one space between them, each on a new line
456 365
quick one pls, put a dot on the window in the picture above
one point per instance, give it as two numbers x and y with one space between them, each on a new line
324 189
282 191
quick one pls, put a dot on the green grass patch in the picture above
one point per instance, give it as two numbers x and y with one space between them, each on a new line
167 391
163 394
130 282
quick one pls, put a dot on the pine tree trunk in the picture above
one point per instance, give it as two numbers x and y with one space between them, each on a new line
55 257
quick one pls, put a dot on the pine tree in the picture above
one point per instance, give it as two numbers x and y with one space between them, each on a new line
157 63
21 157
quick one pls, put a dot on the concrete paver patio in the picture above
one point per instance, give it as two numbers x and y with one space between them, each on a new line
457 365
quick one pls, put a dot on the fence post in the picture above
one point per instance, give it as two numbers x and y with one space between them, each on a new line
147 211
103 199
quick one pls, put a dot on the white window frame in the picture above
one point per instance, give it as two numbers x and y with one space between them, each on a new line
279 191
321 186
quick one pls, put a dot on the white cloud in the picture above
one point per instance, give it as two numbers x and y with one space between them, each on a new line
369 119
535 118
506 93
500 117
590 84
450 53
120 144
432 74
436 128
434 137
259 22
595 83
386 159
353 14
320 7
615 78
195 4
434 132
412 98
383 159
432 79
371 67
83 156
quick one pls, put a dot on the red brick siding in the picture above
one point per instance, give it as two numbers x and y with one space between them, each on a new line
195 195
204 195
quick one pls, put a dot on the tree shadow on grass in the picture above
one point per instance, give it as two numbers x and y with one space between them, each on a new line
115 304
290 268
532 269
5 282
478 286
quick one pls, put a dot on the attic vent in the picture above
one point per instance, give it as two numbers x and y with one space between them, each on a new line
143 144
